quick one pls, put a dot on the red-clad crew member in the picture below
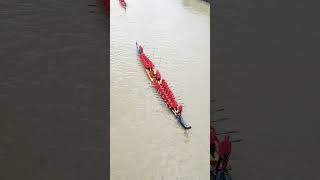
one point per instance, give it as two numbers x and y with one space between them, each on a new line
172 104
168 100
160 91
143 61
147 65
180 109
214 141
143 56
166 87
224 153
155 83
158 76
152 74
150 65
175 107
172 97
163 83
169 103
140 49
164 97
169 93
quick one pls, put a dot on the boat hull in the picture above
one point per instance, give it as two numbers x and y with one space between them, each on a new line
177 116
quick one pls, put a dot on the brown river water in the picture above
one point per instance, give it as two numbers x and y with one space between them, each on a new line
146 140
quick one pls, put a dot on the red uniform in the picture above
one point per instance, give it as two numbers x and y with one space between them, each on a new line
174 104
160 90
180 108
163 82
172 98
213 136
146 58
148 62
169 93
151 74
158 76
225 146
143 62
168 100
224 153
147 65
166 87
140 49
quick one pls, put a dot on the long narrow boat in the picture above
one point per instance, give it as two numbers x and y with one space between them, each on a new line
177 116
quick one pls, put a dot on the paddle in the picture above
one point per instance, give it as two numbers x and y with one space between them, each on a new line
238 140
228 132
221 119
221 109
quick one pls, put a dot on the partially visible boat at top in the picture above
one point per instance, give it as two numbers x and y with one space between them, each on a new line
123 3
163 89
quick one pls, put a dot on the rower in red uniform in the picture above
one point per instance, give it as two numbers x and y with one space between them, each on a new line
169 93
158 76
148 66
167 98
158 87
151 73
163 83
148 62
214 141
160 90
172 105
168 101
224 153
172 97
176 106
140 49
146 58
180 109
151 65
